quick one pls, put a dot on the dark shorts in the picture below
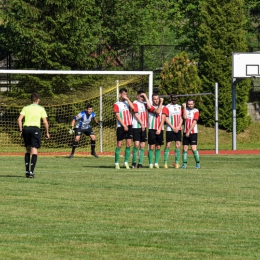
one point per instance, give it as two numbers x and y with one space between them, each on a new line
87 132
32 136
172 136
191 140
121 134
153 138
139 135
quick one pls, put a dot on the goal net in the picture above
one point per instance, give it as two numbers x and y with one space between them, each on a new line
64 94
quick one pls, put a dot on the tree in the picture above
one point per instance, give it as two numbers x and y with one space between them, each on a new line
180 76
222 32
51 34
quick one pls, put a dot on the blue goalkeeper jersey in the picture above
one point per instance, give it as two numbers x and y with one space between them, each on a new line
83 119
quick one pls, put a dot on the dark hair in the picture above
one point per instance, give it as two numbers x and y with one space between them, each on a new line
173 94
140 92
122 90
155 94
35 97
89 106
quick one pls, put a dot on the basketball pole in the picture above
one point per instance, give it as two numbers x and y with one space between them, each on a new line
216 118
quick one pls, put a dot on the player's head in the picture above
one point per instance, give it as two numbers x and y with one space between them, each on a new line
35 97
174 98
155 99
89 108
123 93
140 96
190 103
122 90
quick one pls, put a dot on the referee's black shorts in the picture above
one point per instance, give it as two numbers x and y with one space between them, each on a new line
32 136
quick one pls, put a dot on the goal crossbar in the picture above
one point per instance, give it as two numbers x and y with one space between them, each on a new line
86 72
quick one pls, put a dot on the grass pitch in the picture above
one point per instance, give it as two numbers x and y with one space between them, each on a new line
82 208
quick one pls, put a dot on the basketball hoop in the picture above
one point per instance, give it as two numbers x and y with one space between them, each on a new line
256 83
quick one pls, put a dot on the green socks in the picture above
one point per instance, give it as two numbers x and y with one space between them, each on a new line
196 156
141 156
127 154
157 155
185 157
177 155
135 150
150 155
166 155
117 154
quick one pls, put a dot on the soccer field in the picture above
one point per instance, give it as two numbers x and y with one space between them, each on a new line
82 208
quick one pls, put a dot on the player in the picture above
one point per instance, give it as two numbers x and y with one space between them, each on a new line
122 110
156 118
140 123
31 132
83 120
190 133
173 129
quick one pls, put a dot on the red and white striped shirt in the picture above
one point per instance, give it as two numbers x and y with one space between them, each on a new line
141 109
192 114
155 119
122 107
174 113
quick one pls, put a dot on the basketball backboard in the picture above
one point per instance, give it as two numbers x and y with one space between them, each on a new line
245 64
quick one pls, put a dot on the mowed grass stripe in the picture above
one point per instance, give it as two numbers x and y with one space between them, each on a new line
82 208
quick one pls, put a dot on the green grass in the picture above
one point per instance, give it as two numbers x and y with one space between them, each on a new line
83 208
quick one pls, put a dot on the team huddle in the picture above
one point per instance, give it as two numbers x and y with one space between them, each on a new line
133 118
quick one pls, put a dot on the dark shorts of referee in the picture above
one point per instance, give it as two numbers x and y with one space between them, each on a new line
172 136
191 140
87 131
32 136
121 134
154 139
139 135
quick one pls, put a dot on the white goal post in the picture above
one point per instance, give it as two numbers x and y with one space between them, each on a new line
78 72
86 72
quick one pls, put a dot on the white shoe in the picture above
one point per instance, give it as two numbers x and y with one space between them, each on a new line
156 166
127 165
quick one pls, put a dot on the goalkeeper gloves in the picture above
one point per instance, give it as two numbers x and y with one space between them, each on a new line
71 131
99 124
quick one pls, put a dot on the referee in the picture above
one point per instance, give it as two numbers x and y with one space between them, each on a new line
31 132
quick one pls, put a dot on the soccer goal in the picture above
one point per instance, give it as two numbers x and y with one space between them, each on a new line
64 94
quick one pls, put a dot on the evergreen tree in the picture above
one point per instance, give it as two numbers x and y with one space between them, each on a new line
53 34
221 32
180 76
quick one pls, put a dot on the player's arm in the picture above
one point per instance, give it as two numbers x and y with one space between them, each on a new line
167 121
121 121
148 103
184 111
139 120
131 105
180 124
159 109
46 125
191 127
20 123
161 124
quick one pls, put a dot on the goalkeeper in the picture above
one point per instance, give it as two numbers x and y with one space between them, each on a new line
83 120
